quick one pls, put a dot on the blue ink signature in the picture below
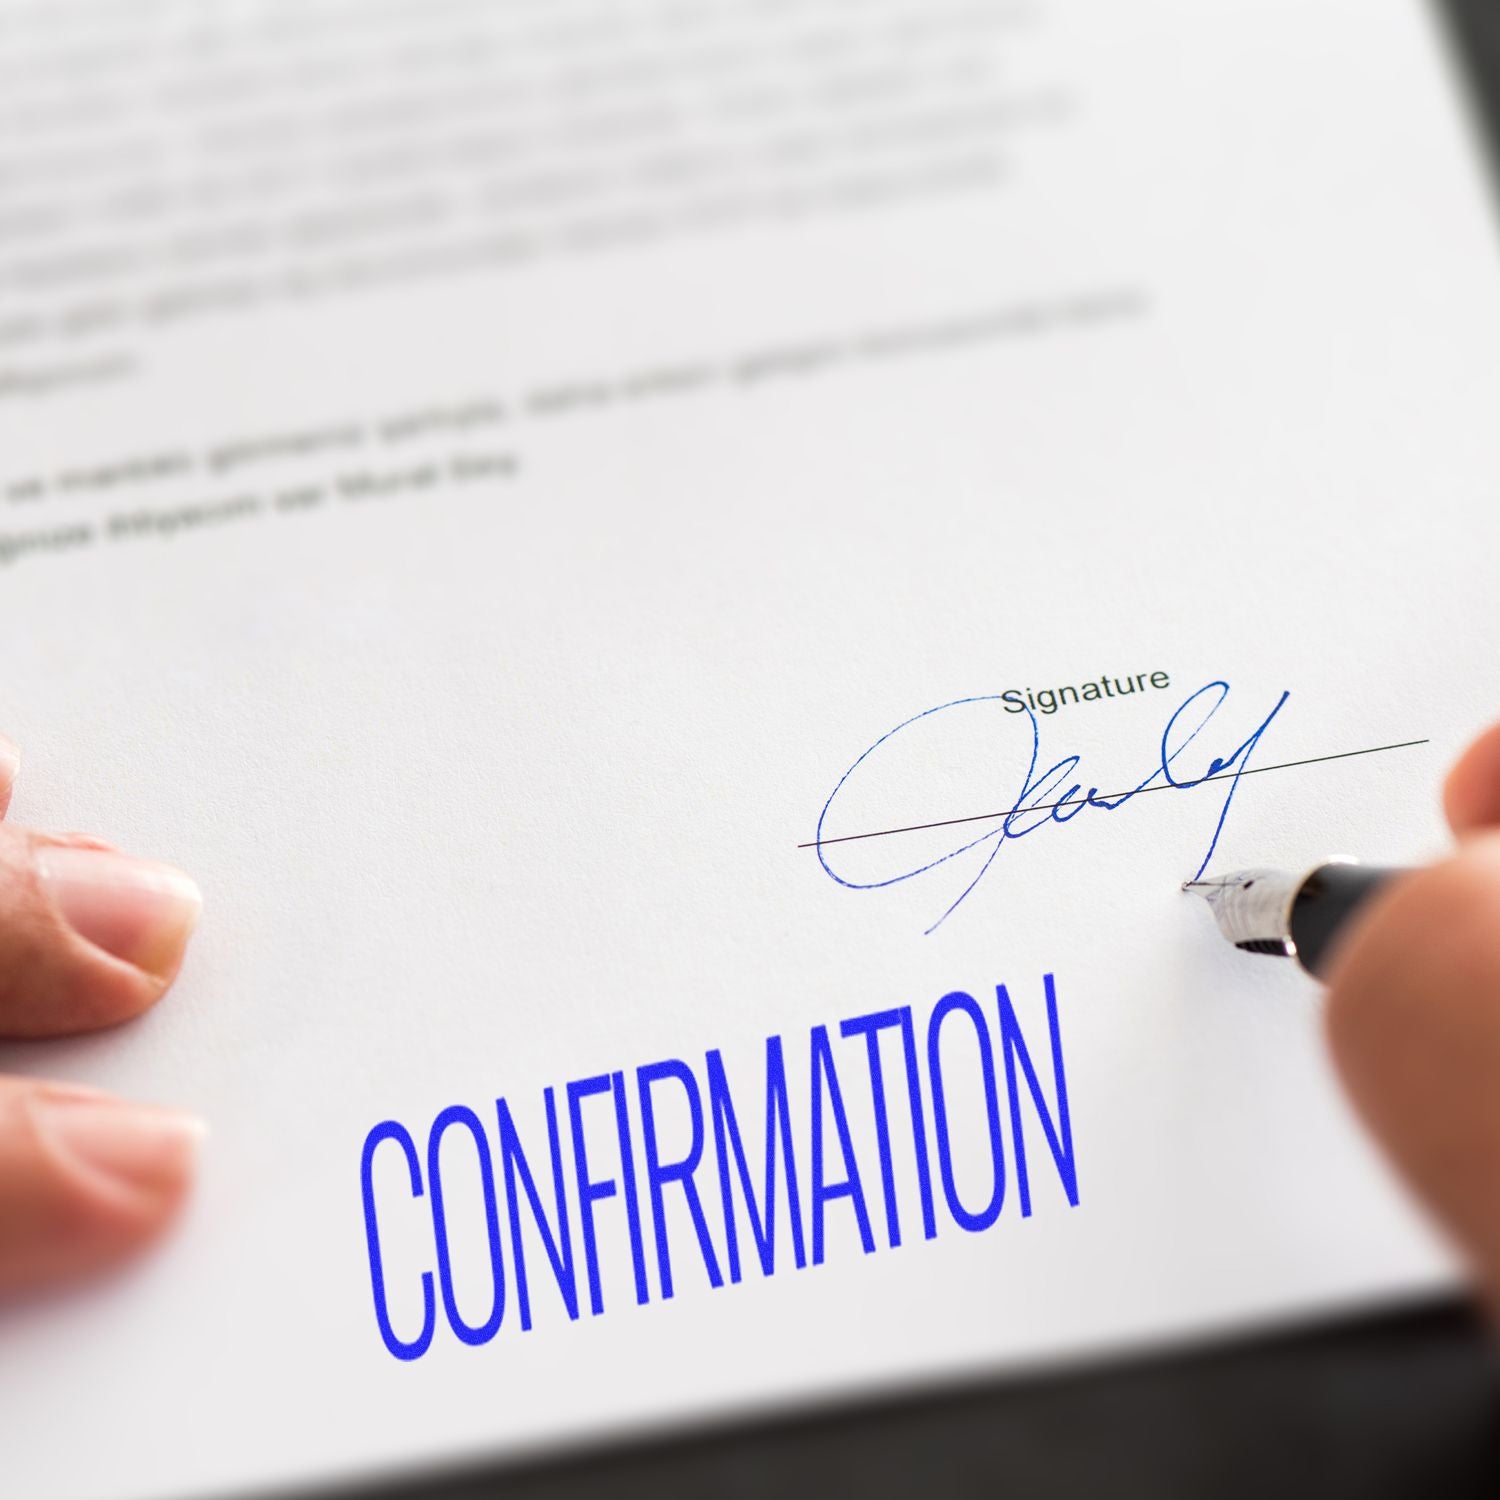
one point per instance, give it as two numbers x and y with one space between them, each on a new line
1064 800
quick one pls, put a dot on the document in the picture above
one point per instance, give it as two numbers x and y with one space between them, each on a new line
691 580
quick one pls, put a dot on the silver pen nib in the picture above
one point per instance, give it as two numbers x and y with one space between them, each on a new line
1253 908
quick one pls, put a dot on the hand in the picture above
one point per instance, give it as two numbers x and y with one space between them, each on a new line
1414 1019
89 937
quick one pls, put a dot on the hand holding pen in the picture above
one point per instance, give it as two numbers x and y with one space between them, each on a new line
1412 962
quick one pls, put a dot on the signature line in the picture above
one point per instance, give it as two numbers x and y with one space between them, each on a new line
1285 765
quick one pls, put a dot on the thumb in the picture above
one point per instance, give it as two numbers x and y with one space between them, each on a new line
1414 1024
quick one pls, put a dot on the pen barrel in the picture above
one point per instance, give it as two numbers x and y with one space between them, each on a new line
1323 906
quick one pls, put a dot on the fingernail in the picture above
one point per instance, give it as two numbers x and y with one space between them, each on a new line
140 1148
10 764
135 909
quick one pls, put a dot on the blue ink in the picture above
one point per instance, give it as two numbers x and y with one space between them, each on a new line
808 1141
1052 796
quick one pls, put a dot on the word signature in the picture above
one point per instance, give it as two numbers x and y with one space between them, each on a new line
1053 796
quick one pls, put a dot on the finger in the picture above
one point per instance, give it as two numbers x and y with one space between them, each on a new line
85 1179
10 765
88 936
82 840
1414 1023
1471 794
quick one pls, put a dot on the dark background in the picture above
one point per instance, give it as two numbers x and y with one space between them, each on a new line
1405 1404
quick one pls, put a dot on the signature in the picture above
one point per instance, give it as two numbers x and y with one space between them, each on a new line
1055 796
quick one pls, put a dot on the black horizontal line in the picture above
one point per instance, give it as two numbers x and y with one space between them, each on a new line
1285 765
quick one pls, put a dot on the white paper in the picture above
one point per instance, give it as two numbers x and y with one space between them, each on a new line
741 383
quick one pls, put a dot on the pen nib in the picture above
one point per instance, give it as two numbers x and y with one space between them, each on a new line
1250 907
